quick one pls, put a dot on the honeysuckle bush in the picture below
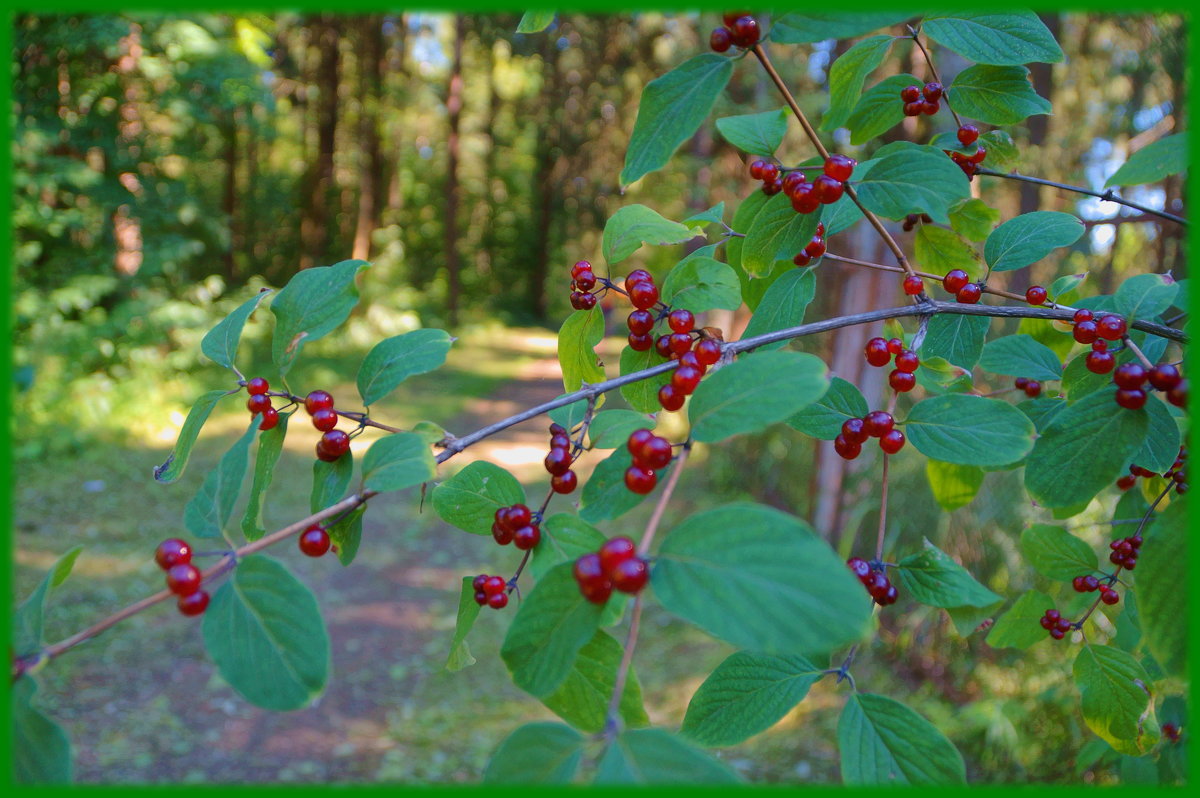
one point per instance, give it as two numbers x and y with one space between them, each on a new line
1101 407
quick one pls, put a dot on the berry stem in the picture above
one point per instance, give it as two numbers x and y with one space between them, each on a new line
915 34
883 493
1139 353
1106 195
612 718
664 497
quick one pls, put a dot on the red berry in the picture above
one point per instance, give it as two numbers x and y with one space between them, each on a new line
682 321
889 596
967 135
954 280
1083 314
494 585
1090 583
827 190
1109 596
902 381
745 31
770 172
1131 399
270 419
662 345
913 108
498 601
314 541
685 379
587 301
845 448
969 294
1164 377
801 259
859 566
1033 389
564 483
839 167
335 442
194 603
579 268
172 552
907 360
518 515
895 346
1100 362
557 461
257 385
679 343
815 248
772 187
877 352
892 442
913 285
637 439
756 168
577 300
527 537
640 480
630 576
258 403
1057 634
910 94
640 322
720 40
792 181
1085 332
586 280
1077 583
978 156
689 359
929 108
708 351
480 597
638 276
588 569
325 420
654 453
643 295
1178 395
854 430
1129 376
615 551
477 583
878 423
932 92
183 579
317 400
641 343
1111 327
1035 295
805 199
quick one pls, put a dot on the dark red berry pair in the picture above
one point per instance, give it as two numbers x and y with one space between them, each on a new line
876 424
1032 388
558 461
1053 622
769 174
813 250
183 579
969 164
922 100
616 566
516 525
740 29
490 591
911 220
1100 360
642 291
650 454
314 541
583 280
1085 584
875 580
1129 379
958 282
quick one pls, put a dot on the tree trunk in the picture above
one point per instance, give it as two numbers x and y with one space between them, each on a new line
454 101
315 225
229 196
370 71
536 288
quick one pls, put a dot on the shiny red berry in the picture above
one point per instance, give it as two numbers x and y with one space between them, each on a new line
270 419
527 537
854 430
708 351
640 480
932 92
1085 331
892 442
815 248
565 482
325 420
955 280
877 352
638 276
910 94
172 552
615 551
579 268
839 167
720 40
907 360
967 134
317 400
1100 362
257 385
1035 295
557 461
1033 389
494 585
1131 399
498 601
878 423
845 448
640 343
1129 376
630 576
744 31
194 603
685 379
969 294
643 295
913 108
681 320
314 541
654 454
586 281
913 285
183 579
1111 328
770 172
258 403
801 259
1083 314
335 442
1164 377
902 381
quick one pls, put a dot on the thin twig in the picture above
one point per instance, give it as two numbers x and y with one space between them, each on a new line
923 275
1138 353
915 34
661 506
1106 195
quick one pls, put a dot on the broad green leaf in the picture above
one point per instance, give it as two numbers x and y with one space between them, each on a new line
783 305
957 338
642 395
655 756
714 215
1055 553
847 74
393 360
430 432
953 486
841 215
176 462
934 578
1047 334
605 496
1020 356
460 653
969 430
1067 467
816 26
397 462
270 447
1145 296
552 624
912 179
990 37
1018 627
1042 411
220 344
754 392
777 232
878 110
939 250
469 499
1163 605
1065 287
1002 153
1028 238
611 428
938 375
535 20
968 620
881 741
207 514
346 534
1116 700
756 134
700 284
577 340
313 304
747 694
671 110
264 631
27 628
1159 449
743 219
41 751
565 538
582 699
997 95
330 481
1165 157
634 225
1078 382
731 571
824 418
755 288
536 753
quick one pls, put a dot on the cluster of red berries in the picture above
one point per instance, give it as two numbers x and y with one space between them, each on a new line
806 195
695 354
1087 329
583 280
615 566
912 219
1089 584
922 100
558 461
874 580
876 424
740 30
959 283
183 579
490 590
650 453
1053 622
516 525
1130 379
314 541
334 442
813 249
1176 473
968 163
879 353
1032 388
260 402
1125 551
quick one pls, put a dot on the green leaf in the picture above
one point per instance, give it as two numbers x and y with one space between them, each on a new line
536 753
1067 467
176 462
1055 553
1163 605
847 74
840 216
969 620
569 415
460 653
270 447
912 179
878 110
783 305
1030 237
552 624
1165 157
743 218
1159 449
881 741
577 340
938 375
469 499
393 360
582 699
988 37
969 430
330 481
671 110
220 344
611 428
953 486
1145 296
264 631
997 95
605 496
565 538
1116 700
747 694
1078 381
1020 356
1002 153
28 619
1018 627
346 534
777 232
313 304
756 134
934 578
655 756
824 418
208 513
397 462
41 750
817 26
1042 411
535 20
714 215
731 571
700 284
957 338
754 392
939 250
642 395
634 225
